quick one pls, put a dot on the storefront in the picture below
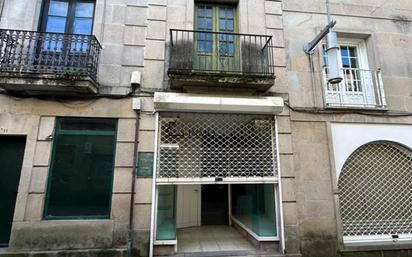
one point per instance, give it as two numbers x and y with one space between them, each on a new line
216 167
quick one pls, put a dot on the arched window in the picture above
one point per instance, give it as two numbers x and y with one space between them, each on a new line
376 193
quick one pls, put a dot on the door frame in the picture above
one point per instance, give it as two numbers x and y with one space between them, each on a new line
214 55
368 89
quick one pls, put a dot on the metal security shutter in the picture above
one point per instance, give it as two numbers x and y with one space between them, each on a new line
376 193
210 146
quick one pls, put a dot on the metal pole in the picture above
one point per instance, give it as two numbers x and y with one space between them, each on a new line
328 13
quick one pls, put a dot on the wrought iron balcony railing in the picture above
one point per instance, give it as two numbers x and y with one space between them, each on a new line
359 88
220 52
34 52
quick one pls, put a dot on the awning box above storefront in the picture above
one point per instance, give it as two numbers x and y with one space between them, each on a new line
181 102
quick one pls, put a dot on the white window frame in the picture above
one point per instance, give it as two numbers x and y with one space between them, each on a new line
338 96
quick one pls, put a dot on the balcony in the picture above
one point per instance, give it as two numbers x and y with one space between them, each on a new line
36 63
360 88
219 59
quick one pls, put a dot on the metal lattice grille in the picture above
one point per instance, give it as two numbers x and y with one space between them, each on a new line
216 145
376 191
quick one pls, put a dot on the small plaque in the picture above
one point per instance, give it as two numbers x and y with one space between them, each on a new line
145 164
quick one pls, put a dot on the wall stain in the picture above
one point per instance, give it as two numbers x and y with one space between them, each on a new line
402 22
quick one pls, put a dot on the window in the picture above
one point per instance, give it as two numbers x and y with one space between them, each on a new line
166 213
70 17
361 86
253 205
81 171
215 51
375 194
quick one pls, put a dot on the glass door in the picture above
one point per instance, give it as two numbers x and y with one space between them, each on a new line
215 49
357 86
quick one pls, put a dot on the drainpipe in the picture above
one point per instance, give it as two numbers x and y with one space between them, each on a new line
328 12
136 143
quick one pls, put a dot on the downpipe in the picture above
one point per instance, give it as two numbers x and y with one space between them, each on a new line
130 236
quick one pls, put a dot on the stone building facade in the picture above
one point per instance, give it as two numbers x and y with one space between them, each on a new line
325 168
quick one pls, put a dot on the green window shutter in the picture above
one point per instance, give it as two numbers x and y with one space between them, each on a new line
81 173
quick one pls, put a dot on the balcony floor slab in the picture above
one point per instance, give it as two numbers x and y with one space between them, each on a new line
47 84
221 81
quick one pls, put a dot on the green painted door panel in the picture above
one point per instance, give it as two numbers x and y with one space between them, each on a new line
11 159
205 42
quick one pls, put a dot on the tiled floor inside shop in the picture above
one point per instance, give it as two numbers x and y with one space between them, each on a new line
211 239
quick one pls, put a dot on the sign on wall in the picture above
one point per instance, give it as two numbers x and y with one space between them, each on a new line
145 164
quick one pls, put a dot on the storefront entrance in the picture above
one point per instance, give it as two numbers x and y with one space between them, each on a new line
202 205
202 217
216 217
216 182
220 238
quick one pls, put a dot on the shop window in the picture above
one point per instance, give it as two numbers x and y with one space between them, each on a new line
253 205
166 213
81 171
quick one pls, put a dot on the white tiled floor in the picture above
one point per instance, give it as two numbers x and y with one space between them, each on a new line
211 239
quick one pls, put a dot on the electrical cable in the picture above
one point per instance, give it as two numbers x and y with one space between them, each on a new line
373 113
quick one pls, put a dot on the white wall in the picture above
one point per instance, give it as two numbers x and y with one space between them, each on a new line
347 137
20 14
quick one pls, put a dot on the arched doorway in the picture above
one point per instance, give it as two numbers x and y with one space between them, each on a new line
375 193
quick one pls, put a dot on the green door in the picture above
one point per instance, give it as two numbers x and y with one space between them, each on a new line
11 158
216 49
